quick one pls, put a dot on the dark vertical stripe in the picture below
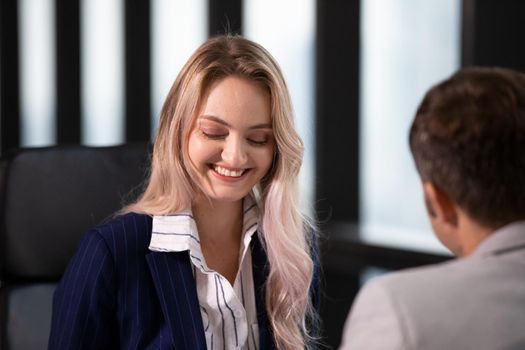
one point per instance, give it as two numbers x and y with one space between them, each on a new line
220 310
467 32
167 314
138 70
73 274
147 292
98 265
497 34
337 112
81 289
68 71
194 318
173 289
138 297
9 77
126 267
231 312
224 16
242 288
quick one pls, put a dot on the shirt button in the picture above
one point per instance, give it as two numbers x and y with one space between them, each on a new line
238 313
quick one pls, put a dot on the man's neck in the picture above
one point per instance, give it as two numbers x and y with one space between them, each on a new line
471 234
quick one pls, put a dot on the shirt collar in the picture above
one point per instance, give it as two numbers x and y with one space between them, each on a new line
508 238
178 232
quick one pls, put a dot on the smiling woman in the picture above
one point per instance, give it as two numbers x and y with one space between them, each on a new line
230 147
215 253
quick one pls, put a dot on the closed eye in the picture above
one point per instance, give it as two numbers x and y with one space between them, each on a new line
258 142
214 136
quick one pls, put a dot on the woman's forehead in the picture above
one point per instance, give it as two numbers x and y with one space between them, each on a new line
235 100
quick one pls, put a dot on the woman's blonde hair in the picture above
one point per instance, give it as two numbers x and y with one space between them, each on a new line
285 237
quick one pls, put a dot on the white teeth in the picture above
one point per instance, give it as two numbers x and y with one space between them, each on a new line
226 172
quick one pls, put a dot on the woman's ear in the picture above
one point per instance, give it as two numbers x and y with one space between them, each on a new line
439 206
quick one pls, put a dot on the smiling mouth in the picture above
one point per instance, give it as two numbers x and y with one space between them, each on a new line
228 172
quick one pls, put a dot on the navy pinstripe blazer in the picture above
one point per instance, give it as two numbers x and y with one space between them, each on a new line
116 293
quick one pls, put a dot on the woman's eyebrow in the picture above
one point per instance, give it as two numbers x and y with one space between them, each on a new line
215 119
223 122
261 126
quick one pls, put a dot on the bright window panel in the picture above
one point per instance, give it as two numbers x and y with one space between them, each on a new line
406 47
287 30
102 72
37 72
179 27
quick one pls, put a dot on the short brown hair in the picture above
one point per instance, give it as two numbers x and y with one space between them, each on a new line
468 138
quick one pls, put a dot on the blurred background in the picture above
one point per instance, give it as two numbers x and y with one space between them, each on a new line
96 72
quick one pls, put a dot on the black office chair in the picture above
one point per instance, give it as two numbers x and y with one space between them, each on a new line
48 198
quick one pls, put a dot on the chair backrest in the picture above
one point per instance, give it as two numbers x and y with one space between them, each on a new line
48 198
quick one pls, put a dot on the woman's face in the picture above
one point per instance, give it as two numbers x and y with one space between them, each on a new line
231 144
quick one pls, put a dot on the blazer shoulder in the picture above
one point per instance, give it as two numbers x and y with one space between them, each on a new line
129 231
432 277
374 312
418 301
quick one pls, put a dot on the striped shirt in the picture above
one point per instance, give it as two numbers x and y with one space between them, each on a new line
228 312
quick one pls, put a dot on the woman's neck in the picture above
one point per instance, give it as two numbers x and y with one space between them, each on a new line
217 222
220 230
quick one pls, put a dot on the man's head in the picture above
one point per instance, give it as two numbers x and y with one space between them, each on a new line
468 143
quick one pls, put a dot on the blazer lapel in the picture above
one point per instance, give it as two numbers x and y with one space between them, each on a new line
260 274
175 286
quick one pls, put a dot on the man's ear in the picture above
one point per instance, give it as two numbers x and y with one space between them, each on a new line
439 205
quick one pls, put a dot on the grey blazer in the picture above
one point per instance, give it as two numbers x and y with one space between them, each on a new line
476 302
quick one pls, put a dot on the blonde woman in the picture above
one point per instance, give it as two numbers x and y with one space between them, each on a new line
215 253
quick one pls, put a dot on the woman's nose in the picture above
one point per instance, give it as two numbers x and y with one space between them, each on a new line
234 152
